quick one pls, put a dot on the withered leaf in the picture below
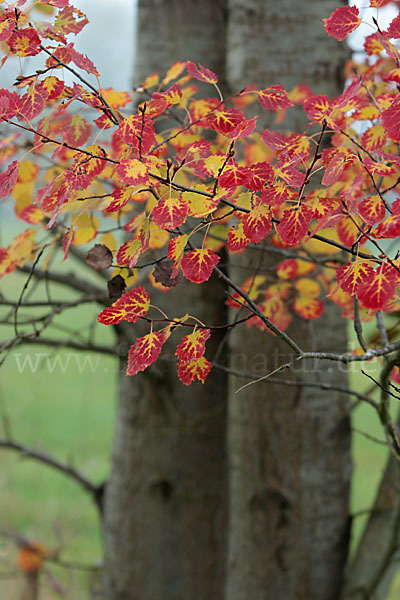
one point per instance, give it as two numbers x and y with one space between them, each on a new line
116 286
162 274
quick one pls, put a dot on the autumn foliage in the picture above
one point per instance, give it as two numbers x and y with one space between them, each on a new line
166 202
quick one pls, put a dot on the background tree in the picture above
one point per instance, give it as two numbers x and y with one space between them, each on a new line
166 506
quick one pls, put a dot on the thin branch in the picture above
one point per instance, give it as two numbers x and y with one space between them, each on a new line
50 461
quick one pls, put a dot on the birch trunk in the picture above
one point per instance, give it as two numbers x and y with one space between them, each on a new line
288 447
165 503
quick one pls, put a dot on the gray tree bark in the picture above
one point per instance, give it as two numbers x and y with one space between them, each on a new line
165 502
288 448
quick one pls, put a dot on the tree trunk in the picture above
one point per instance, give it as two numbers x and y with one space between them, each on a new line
165 502
288 447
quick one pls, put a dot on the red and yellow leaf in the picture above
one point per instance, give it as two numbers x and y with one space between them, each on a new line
342 22
274 98
8 179
374 138
133 171
129 253
193 346
129 307
198 265
294 224
353 274
78 131
201 73
377 292
24 42
138 131
170 213
144 352
372 209
237 240
391 120
389 228
307 304
195 370
318 108
257 223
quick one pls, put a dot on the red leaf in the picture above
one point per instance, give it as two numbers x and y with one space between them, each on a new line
317 108
379 290
130 306
294 224
78 131
144 352
233 176
274 98
372 210
226 121
138 132
66 22
201 73
351 275
389 228
342 22
24 42
391 120
6 27
170 213
31 104
198 265
257 223
198 369
237 240
393 31
277 194
129 253
8 179
133 171
258 175
193 345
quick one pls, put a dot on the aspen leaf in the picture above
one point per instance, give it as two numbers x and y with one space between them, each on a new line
198 265
195 370
133 172
201 73
130 307
144 352
99 257
294 224
342 22
352 274
274 98
24 42
170 213
192 347
379 289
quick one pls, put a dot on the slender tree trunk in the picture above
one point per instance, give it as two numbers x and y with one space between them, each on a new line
165 502
288 447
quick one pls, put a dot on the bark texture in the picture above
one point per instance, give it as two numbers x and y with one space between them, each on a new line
288 447
165 502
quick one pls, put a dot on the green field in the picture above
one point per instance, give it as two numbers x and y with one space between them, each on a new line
66 409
